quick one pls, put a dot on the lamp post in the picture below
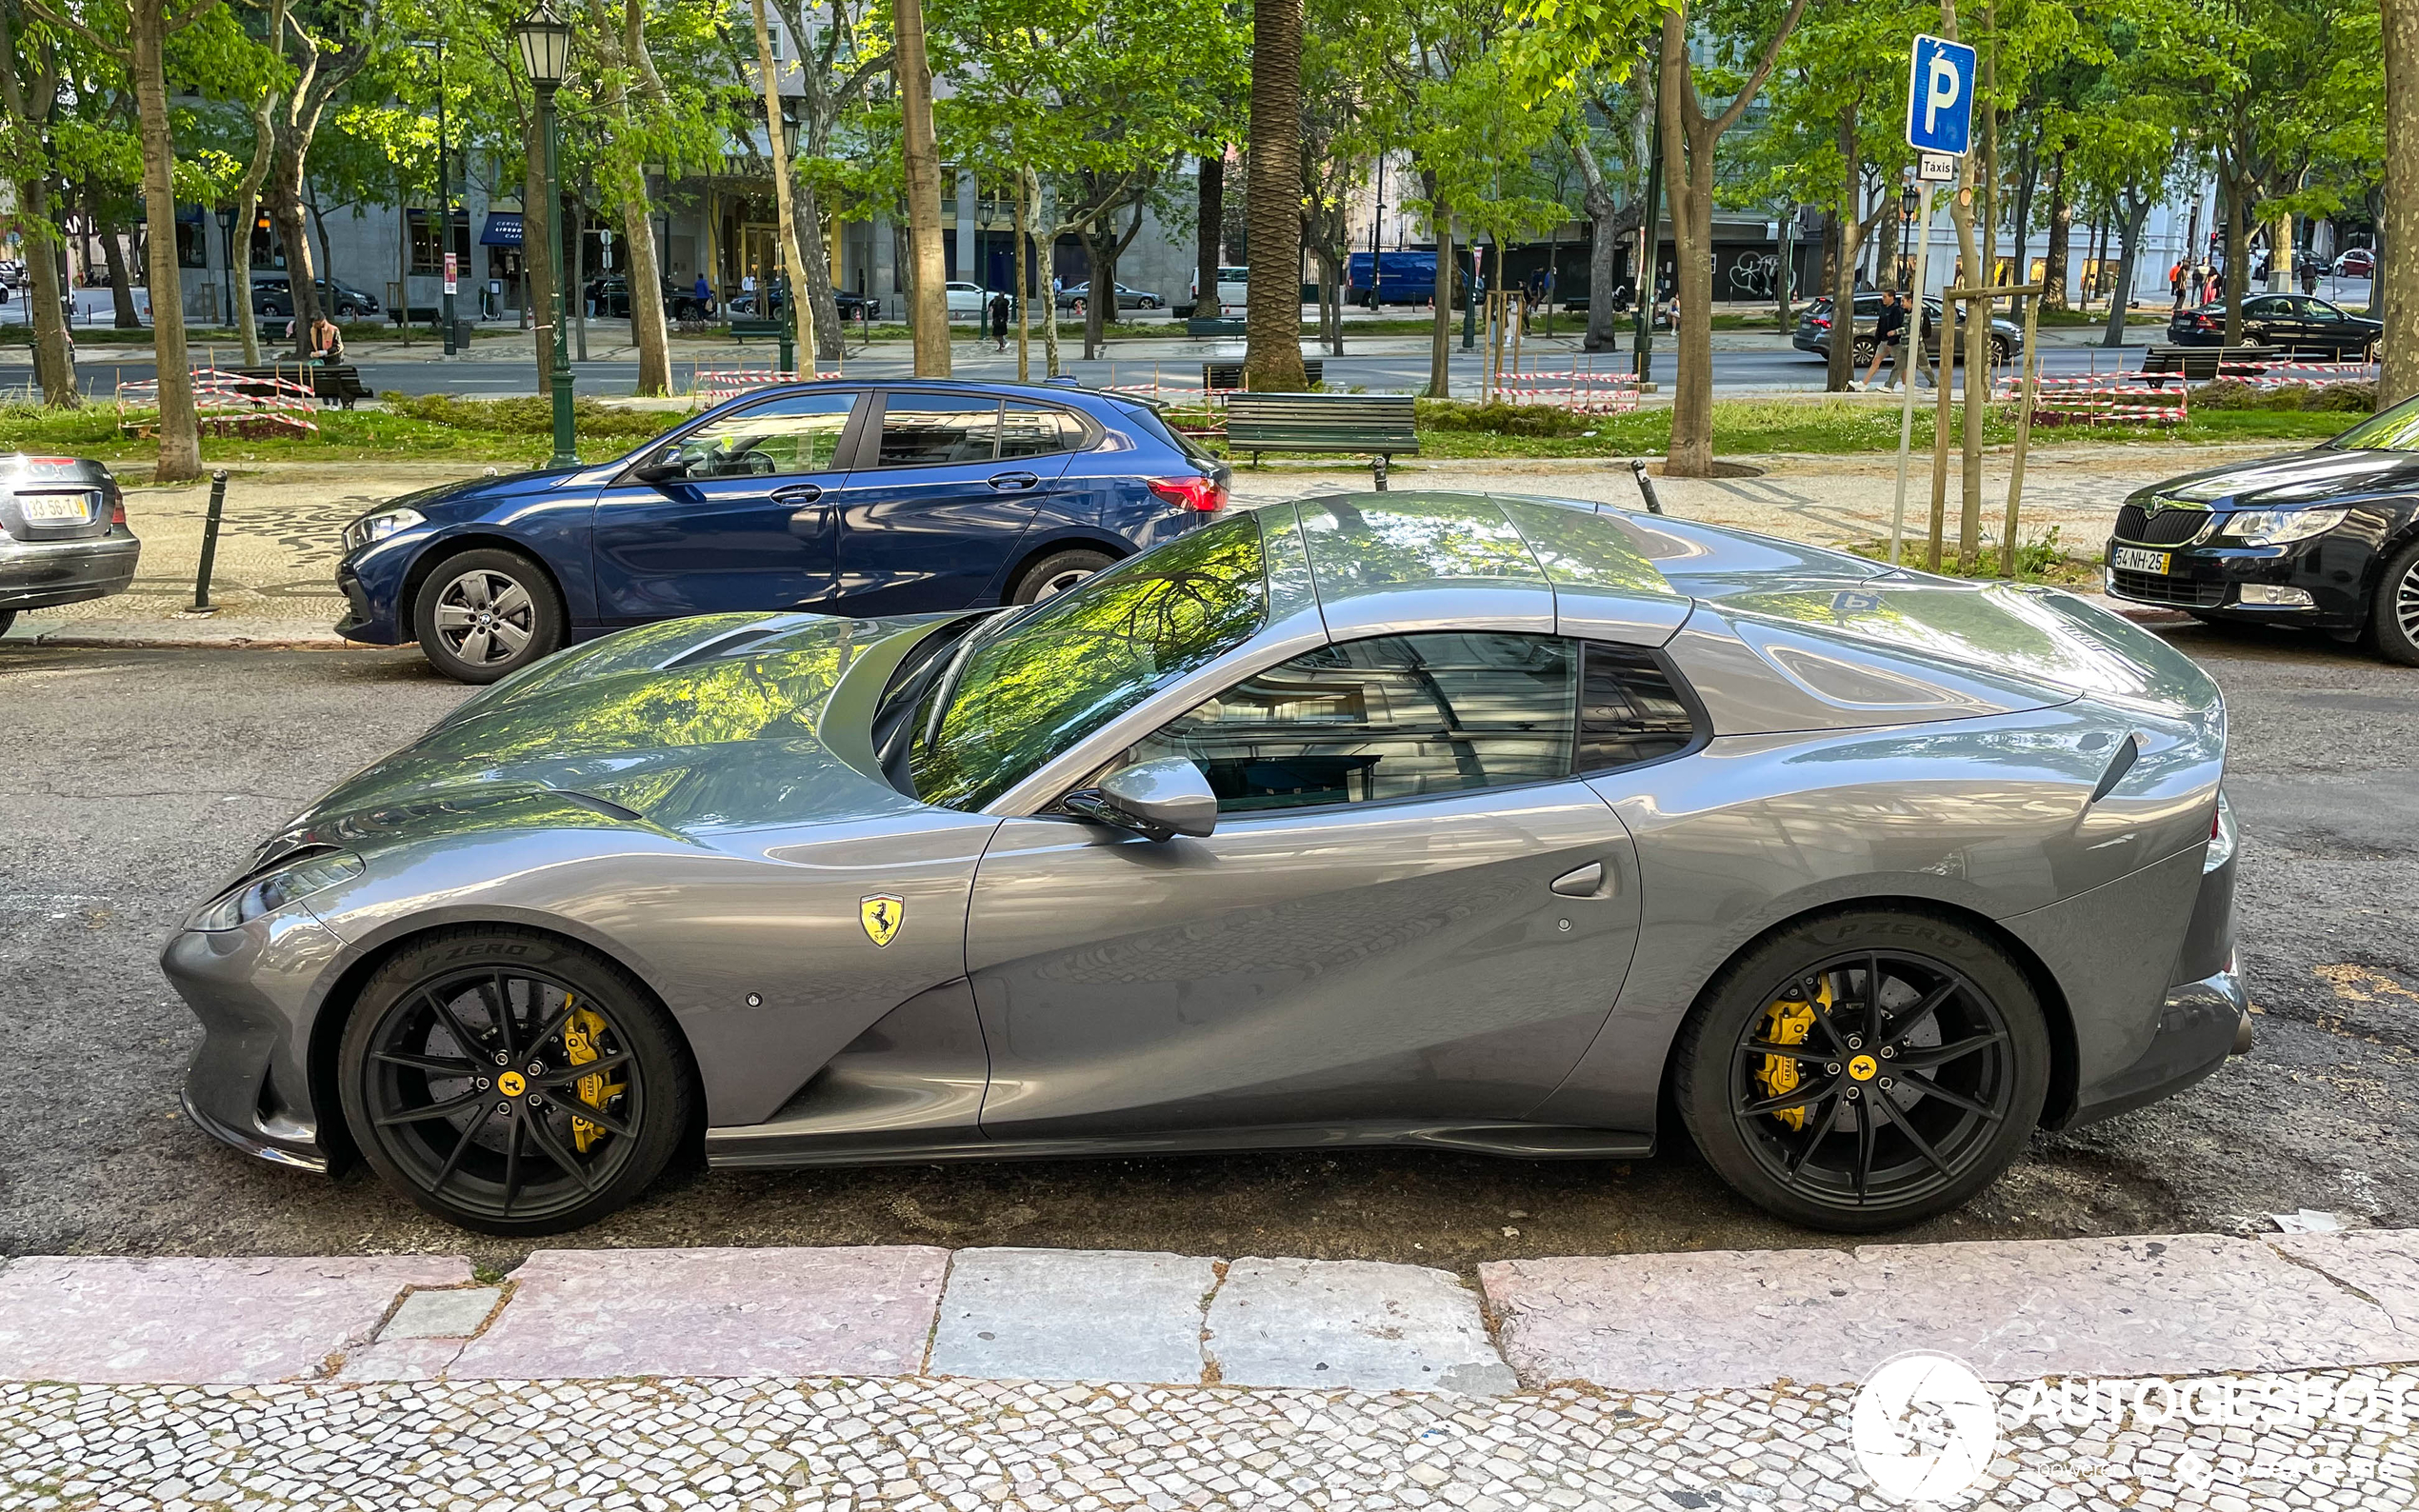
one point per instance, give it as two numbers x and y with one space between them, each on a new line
790 277
445 212
546 53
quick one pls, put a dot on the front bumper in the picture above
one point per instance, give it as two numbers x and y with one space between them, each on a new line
2210 578
255 991
37 574
371 618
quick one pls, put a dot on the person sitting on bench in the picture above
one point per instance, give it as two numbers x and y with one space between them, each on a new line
326 342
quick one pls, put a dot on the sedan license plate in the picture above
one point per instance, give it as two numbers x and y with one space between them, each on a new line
2141 559
41 509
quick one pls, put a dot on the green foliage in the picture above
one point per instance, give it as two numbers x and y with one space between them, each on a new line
1503 419
2333 399
527 416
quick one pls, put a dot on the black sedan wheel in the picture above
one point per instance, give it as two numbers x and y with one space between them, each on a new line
512 1082
2396 611
482 614
1866 1071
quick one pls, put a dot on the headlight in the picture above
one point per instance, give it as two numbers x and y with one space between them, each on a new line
2276 527
380 526
289 882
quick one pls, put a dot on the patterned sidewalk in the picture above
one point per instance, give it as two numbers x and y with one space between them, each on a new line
906 1445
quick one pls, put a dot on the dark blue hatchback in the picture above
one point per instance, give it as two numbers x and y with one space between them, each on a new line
855 498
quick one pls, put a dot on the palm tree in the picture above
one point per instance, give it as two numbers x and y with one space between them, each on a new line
1272 200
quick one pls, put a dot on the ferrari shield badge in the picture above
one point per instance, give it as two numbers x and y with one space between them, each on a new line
882 914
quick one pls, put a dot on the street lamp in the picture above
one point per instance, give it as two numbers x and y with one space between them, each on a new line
546 53
445 214
790 277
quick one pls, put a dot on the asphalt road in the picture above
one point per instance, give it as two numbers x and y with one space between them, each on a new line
103 368
138 778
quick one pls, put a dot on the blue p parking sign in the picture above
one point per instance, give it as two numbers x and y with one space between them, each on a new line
1940 96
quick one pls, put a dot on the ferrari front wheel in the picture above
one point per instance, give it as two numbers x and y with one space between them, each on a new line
1865 1070
512 1082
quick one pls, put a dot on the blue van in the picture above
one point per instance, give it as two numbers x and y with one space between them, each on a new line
1401 278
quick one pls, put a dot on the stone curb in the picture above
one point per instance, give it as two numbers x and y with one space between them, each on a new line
2178 1305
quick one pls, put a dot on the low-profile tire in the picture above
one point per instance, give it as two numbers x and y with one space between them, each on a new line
487 612
468 1108
1905 1105
2394 613
1056 573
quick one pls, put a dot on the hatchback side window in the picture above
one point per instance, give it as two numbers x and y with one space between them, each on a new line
934 431
798 434
1398 716
1036 430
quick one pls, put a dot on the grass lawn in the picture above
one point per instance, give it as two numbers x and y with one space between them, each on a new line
510 433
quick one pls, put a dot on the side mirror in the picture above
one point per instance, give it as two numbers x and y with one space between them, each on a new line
1160 800
670 471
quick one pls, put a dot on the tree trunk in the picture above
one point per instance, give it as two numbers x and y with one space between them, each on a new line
1100 301
2280 253
2238 270
53 353
802 308
538 260
1886 248
2053 256
247 220
1023 283
121 286
1604 247
2396 284
575 307
1440 358
927 292
1211 214
1691 198
286 213
645 295
1841 366
1978 317
1046 248
2122 298
1272 200
180 434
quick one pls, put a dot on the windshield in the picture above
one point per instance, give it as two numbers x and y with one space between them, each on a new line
2397 429
1026 687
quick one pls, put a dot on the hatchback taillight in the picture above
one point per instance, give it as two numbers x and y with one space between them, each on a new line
1205 494
117 507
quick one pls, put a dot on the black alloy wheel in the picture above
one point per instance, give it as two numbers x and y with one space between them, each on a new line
1865 1071
511 1083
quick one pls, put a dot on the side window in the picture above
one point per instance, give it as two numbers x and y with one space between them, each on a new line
1399 716
932 431
800 434
2268 308
1036 430
1628 711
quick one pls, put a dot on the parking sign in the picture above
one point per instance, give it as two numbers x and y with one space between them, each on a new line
1940 96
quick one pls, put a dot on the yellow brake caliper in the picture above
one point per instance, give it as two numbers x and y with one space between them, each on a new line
580 1032
1788 1020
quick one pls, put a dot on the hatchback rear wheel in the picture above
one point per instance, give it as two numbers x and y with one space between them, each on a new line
1055 575
1865 1070
512 1082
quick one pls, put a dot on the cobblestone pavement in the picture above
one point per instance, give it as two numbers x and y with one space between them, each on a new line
914 1443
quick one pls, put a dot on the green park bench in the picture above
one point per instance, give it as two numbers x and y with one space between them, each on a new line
1226 377
2201 364
1382 425
770 330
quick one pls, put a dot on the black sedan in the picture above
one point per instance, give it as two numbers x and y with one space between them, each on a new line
63 535
2297 323
1815 331
608 298
2326 538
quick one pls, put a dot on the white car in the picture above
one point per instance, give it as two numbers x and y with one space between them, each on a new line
1235 290
967 300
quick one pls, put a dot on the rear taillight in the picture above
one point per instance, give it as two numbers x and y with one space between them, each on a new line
1205 494
1821 322
2205 323
117 507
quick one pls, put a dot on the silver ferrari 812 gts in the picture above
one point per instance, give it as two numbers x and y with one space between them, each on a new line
1480 823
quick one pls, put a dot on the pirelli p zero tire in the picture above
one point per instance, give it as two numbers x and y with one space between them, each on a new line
513 1081
1863 1070
2394 618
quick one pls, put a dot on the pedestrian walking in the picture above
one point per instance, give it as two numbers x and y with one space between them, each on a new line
2175 282
999 320
704 294
1890 329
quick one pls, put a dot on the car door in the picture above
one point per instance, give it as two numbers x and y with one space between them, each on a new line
1411 910
746 521
933 510
2326 328
2268 320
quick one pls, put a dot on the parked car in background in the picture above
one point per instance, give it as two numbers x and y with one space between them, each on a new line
275 295
2358 263
63 534
608 298
2326 539
2297 322
967 300
847 498
1815 331
1074 296
1234 291
851 305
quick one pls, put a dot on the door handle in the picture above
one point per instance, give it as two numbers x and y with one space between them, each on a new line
798 493
1588 881
1014 481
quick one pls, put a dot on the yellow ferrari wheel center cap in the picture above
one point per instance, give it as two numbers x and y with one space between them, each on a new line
510 1084
1864 1069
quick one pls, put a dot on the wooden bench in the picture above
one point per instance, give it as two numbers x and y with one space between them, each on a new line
338 381
1227 377
1381 424
2201 364
741 329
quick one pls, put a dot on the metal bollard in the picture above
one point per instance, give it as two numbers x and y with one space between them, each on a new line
1646 485
210 542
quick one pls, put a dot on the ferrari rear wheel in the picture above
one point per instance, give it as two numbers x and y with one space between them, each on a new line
512 1082
1865 1070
